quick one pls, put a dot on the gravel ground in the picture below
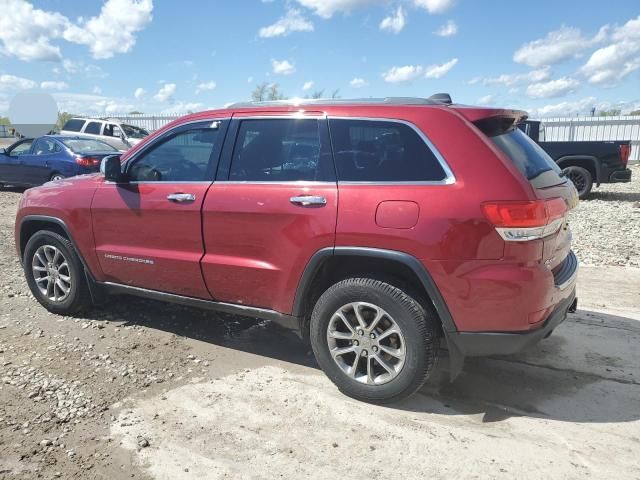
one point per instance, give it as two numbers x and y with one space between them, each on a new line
606 227
143 389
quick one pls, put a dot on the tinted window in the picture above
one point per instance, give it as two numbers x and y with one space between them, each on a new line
73 125
21 149
182 158
87 145
45 146
93 128
278 150
528 157
381 151
111 130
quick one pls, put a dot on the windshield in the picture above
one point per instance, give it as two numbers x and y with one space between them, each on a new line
529 158
134 132
87 145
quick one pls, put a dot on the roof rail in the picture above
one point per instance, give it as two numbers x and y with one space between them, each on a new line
437 99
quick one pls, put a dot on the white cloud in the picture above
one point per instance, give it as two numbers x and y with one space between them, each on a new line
113 30
166 92
282 67
51 85
552 88
434 6
439 71
307 86
486 100
293 21
402 74
395 22
447 30
88 104
563 109
358 82
139 93
327 8
11 82
28 33
250 80
206 86
615 61
183 107
557 46
97 90
512 79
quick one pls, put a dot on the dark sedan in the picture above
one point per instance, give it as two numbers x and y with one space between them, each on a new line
30 162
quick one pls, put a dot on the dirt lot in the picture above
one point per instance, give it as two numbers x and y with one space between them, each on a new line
148 390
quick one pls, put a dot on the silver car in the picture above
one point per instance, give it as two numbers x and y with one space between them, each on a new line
120 135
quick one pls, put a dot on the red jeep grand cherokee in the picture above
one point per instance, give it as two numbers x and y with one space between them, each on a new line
376 228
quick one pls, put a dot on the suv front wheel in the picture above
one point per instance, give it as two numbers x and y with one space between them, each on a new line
55 273
373 340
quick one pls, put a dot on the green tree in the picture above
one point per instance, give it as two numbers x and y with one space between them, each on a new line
266 91
4 121
63 117
614 112
635 112
135 112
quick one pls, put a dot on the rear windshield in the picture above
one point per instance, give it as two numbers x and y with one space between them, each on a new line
78 145
529 158
73 125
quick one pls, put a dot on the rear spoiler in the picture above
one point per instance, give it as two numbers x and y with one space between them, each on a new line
492 121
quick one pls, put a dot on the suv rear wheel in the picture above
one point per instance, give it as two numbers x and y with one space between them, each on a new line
55 273
581 178
373 340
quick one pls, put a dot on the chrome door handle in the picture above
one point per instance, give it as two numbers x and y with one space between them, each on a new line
308 200
181 197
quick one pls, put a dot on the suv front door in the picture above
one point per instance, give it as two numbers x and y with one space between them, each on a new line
148 230
273 205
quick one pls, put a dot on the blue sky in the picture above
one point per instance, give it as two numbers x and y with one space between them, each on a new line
549 57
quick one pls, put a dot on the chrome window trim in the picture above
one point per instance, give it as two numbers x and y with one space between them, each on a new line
165 134
300 183
449 178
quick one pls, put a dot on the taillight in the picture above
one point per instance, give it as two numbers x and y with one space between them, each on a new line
87 161
524 221
625 152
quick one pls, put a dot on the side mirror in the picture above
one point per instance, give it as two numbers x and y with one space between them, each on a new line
111 168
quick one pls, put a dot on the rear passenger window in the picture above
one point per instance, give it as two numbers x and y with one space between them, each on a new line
279 150
73 125
93 128
382 151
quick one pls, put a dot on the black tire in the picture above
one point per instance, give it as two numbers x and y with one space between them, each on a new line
78 296
418 326
56 176
581 178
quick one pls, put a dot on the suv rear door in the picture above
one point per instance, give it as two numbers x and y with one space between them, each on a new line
273 205
148 230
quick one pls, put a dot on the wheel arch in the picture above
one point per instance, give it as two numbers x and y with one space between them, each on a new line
31 224
330 265
588 162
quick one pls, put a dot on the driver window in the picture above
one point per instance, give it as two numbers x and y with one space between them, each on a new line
44 146
21 149
182 158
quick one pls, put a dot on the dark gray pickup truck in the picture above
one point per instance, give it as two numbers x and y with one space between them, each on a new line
586 163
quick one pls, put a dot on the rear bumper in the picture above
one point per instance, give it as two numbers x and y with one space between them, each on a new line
480 344
620 176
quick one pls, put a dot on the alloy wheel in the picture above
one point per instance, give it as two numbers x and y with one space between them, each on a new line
51 273
366 343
